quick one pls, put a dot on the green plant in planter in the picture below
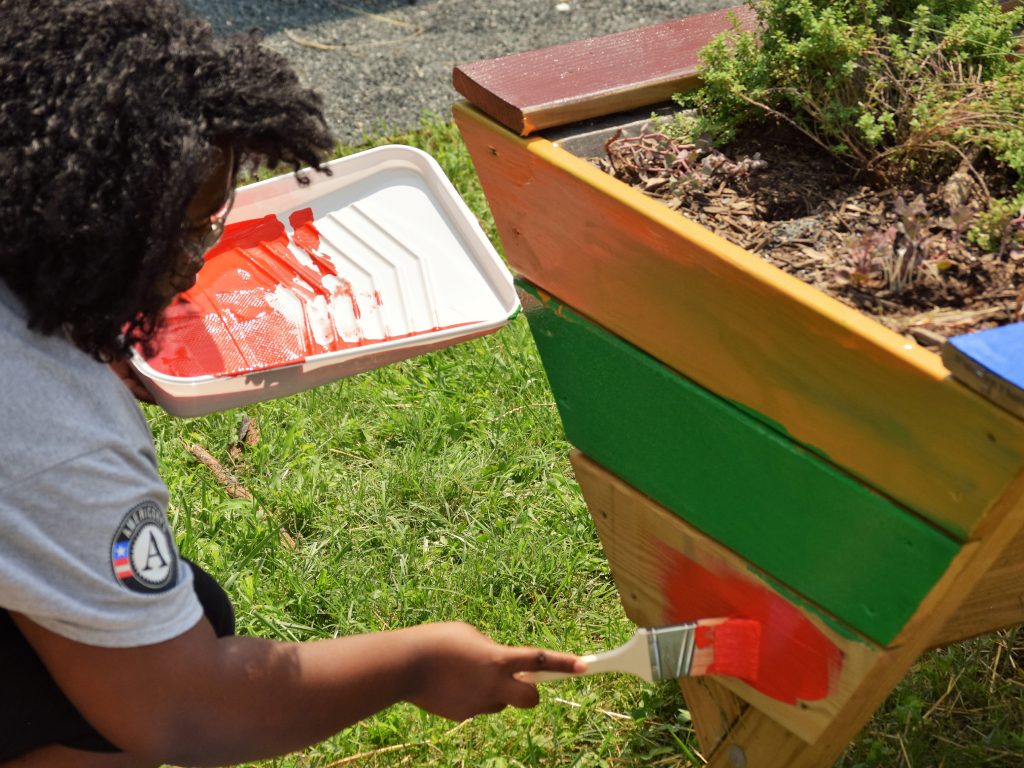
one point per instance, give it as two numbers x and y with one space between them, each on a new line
896 89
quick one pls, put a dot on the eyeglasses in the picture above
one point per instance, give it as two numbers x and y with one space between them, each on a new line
207 232
201 236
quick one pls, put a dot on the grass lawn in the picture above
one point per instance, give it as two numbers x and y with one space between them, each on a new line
439 488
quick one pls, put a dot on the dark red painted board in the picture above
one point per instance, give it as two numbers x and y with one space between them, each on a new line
563 84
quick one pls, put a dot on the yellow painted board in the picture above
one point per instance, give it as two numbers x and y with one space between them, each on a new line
831 378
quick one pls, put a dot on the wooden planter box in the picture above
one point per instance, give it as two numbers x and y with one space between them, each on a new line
746 445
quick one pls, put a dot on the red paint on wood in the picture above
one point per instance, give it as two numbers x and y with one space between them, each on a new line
256 305
736 646
797 661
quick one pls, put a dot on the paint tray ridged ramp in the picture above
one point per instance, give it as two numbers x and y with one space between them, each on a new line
378 262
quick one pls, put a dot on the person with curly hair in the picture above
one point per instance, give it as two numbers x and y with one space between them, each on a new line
122 126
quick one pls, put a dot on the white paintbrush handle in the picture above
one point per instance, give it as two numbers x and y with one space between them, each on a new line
544 675
632 657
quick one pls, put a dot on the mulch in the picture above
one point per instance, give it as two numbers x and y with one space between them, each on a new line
898 252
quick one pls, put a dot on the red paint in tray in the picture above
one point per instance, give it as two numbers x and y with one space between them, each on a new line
257 304
797 663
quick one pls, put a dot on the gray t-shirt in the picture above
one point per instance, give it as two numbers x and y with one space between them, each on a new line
85 549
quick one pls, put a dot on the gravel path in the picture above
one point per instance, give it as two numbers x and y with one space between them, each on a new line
381 64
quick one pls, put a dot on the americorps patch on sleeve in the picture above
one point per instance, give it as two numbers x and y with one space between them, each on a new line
143 555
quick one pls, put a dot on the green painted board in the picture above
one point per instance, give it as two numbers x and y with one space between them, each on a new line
807 524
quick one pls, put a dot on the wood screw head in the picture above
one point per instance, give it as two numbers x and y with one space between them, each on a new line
737 757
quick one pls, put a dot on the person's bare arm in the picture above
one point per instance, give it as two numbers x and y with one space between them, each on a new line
200 700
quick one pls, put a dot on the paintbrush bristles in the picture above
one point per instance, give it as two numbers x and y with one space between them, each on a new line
711 647
732 647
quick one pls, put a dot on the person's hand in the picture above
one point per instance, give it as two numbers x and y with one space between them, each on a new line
127 376
462 673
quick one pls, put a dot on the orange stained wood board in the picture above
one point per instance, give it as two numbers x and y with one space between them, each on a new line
588 78
824 374
668 572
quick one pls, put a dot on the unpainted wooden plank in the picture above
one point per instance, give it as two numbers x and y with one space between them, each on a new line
574 81
997 601
669 572
714 710
758 740
713 707
828 376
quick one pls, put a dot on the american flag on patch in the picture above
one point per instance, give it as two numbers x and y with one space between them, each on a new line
122 563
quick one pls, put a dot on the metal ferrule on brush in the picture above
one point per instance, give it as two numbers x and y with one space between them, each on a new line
671 650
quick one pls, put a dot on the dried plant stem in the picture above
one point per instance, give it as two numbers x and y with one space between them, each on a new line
229 482
233 487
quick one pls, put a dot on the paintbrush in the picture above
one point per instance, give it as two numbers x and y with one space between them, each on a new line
707 647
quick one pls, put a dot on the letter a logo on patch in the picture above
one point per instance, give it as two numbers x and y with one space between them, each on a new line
142 554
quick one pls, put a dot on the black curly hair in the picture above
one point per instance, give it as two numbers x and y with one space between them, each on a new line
111 116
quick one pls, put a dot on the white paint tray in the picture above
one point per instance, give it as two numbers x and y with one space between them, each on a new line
376 263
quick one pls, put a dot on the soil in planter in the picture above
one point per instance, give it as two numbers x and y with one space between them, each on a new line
899 253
